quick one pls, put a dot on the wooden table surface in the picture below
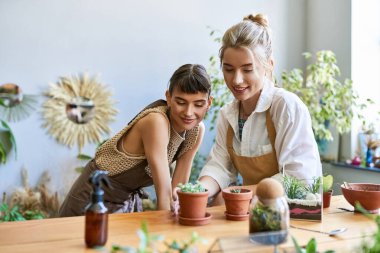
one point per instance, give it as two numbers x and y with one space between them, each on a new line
67 234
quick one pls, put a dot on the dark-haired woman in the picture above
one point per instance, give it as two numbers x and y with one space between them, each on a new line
140 154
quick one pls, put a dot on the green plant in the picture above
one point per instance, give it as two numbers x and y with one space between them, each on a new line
220 91
148 243
7 139
329 101
365 247
14 213
86 158
327 183
10 214
191 187
198 163
374 245
316 185
235 190
311 247
185 246
294 188
265 218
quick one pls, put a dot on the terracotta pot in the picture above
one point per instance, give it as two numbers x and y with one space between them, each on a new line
237 203
327 198
192 205
368 195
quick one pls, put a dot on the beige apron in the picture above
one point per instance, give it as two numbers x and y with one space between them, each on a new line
253 169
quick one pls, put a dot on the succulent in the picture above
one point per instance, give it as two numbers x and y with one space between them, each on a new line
191 187
235 190
294 188
327 182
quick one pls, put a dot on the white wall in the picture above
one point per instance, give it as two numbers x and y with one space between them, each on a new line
329 28
135 45
366 61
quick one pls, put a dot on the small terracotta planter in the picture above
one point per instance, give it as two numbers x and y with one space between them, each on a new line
192 205
327 198
237 204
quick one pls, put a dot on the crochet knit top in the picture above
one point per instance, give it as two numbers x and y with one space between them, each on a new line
109 157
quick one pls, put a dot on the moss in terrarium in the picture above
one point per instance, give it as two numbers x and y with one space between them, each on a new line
264 218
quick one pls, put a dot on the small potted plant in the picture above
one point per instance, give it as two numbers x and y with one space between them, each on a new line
193 202
327 190
237 201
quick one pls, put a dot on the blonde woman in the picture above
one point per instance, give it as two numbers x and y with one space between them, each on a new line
266 130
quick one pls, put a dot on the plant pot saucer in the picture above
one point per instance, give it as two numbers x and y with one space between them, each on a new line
195 221
236 217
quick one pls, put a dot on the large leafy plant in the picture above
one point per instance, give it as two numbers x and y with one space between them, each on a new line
7 141
330 102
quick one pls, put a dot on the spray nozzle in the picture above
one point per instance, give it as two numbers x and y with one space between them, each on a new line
97 177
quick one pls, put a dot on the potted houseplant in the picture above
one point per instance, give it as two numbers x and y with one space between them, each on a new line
237 201
192 199
330 102
327 190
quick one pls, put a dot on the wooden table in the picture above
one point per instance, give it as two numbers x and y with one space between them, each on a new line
67 234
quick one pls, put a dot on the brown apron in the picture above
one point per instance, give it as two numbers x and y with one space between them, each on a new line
253 169
125 195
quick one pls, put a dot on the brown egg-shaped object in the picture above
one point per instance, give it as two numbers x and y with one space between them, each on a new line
269 188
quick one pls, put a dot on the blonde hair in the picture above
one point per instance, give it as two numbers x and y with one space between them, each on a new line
252 33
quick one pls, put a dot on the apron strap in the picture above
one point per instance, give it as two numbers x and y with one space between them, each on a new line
270 128
253 169
135 201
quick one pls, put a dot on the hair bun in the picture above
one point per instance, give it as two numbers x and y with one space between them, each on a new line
258 18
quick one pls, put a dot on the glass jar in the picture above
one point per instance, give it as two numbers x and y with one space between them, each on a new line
268 220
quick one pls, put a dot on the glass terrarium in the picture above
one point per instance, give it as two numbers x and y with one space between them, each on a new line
268 220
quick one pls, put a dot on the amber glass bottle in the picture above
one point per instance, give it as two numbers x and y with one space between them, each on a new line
96 214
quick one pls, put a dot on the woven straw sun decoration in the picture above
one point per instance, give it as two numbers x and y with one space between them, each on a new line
78 110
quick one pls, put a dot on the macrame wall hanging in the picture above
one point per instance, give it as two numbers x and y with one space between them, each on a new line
14 106
78 110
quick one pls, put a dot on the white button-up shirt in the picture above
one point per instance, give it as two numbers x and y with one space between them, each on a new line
295 145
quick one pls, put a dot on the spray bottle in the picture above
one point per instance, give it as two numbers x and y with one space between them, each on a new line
96 215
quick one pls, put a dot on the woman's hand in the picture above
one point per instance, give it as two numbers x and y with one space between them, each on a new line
174 205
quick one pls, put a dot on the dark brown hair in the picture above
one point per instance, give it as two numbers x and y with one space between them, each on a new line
190 78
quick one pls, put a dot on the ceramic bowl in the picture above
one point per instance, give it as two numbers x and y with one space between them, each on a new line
368 195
